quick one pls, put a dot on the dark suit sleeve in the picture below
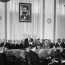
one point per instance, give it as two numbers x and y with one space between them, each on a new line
26 42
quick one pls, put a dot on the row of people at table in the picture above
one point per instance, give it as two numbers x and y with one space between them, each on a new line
45 43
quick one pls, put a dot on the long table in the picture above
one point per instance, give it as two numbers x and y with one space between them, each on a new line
41 52
47 52
15 52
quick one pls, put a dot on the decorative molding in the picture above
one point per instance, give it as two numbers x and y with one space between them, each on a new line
49 20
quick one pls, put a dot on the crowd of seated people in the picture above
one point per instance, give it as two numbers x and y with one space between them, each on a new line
35 46
46 43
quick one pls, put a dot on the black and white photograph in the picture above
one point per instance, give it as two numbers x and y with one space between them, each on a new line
24 12
32 32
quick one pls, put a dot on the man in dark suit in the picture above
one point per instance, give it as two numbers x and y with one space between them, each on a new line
25 13
63 43
32 58
26 42
52 45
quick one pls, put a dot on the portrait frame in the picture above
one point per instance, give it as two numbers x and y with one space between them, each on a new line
24 12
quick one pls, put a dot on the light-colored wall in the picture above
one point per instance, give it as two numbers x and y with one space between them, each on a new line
60 19
37 27
49 14
15 29
2 20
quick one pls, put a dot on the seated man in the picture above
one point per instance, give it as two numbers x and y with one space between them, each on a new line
27 40
32 58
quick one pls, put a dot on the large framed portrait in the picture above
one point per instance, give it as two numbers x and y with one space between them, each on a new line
24 12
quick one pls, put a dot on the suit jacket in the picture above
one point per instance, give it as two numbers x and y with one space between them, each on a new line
33 58
26 42
57 45
51 45
63 45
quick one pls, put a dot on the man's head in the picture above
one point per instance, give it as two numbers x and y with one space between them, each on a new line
25 8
